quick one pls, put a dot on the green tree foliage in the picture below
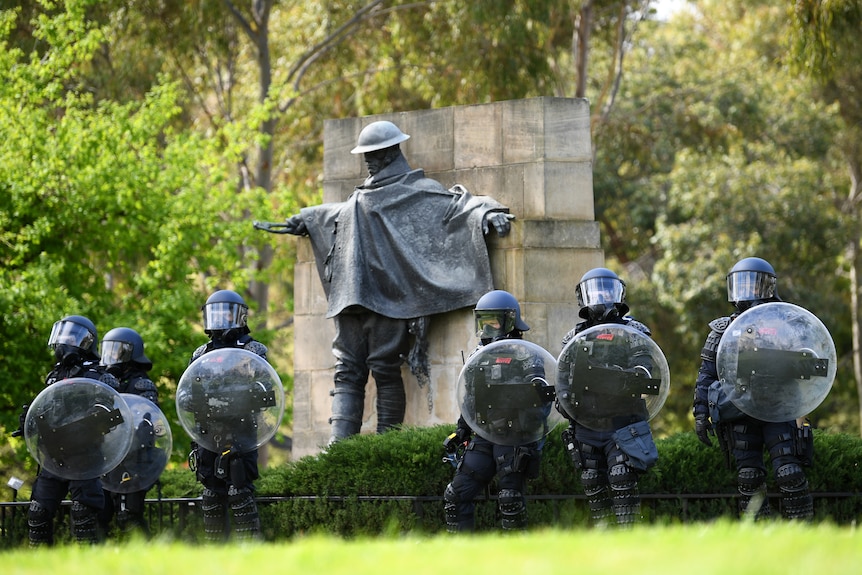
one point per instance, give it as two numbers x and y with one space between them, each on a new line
106 211
715 152
824 46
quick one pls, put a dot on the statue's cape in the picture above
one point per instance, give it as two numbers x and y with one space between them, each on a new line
404 247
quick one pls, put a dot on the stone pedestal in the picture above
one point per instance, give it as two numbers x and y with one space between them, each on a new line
534 156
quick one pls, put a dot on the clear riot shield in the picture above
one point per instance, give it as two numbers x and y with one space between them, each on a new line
150 450
78 428
230 398
776 362
610 375
506 392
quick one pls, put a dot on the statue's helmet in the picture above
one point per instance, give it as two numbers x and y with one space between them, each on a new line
378 136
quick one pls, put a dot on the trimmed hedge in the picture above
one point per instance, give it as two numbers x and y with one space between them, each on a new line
406 469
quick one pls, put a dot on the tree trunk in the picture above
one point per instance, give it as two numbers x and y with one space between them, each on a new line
855 275
855 258
583 28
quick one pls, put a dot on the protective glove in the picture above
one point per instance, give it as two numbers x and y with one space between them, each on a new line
703 428
500 221
22 419
460 437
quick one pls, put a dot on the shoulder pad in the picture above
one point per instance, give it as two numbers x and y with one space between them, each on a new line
198 352
143 384
717 329
632 322
720 324
573 332
109 379
256 347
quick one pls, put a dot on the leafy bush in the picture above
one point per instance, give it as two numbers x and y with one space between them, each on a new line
394 482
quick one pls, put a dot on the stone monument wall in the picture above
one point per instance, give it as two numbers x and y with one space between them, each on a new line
534 156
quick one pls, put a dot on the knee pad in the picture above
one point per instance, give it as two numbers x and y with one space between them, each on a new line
246 518
622 477
594 481
40 522
751 484
791 478
84 522
211 500
239 498
796 499
750 480
213 508
595 484
513 508
626 496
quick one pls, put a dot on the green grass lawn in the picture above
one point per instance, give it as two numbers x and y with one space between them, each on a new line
725 548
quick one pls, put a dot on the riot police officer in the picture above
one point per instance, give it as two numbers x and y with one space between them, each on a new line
227 477
609 474
122 355
498 317
752 281
75 343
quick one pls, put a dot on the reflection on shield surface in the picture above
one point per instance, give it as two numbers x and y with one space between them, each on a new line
78 428
776 362
149 452
505 392
611 375
230 398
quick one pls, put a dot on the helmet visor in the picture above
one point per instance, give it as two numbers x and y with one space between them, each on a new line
114 352
495 323
70 333
750 286
596 291
224 315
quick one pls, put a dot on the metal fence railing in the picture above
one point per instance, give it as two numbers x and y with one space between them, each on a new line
176 514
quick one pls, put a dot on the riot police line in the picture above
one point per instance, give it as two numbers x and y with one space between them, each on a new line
775 363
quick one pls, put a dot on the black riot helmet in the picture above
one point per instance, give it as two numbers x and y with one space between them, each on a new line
225 315
498 316
601 295
751 281
122 346
74 337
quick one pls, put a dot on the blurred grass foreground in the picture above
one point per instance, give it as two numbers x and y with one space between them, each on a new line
721 547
